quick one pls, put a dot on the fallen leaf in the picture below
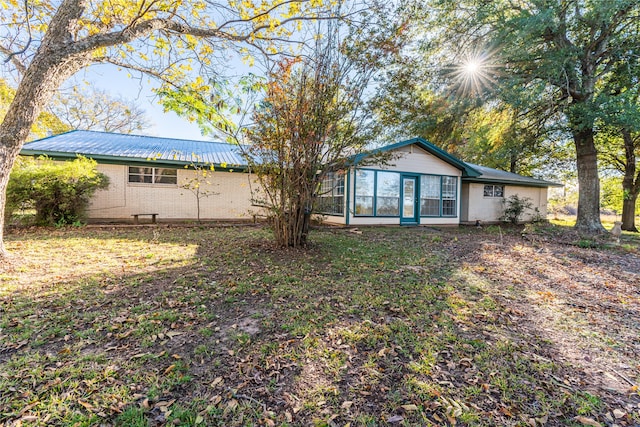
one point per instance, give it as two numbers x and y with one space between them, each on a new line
199 419
346 404
216 381
169 369
395 419
587 421
165 403
618 413
172 334
410 408
87 406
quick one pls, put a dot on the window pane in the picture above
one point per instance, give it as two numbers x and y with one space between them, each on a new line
331 195
448 208
429 195
488 191
166 176
388 194
449 187
138 174
430 187
364 183
364 192
449 192
364 205
498 191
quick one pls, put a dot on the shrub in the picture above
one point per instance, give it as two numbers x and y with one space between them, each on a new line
514 207
58 191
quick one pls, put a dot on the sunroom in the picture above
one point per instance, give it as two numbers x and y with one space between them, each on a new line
421 186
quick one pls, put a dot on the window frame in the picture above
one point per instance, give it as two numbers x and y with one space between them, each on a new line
331 194
155 175
374 199
493 191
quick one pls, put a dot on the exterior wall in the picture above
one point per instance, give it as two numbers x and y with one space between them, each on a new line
489 209
123 199
412 159
415 159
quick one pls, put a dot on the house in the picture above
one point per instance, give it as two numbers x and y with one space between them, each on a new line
423 185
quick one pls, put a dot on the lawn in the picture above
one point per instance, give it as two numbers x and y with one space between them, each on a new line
214 326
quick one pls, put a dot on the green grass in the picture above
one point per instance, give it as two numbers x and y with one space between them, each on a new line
220 328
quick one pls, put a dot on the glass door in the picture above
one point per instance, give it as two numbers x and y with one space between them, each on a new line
409 211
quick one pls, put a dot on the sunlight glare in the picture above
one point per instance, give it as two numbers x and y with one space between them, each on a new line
475 73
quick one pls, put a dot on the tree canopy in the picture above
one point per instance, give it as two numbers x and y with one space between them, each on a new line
45 43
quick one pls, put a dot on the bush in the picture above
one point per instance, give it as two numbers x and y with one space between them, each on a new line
514 207
58 191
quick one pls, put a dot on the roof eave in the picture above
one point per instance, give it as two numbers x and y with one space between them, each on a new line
541 184
133 161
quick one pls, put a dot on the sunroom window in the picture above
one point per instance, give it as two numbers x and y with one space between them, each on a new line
331 194
388 194
429 195
365 184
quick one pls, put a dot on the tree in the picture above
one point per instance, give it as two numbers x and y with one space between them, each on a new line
619 135
558 52
200 183
47 42
59 192
95 109
46 123
311 120
479 128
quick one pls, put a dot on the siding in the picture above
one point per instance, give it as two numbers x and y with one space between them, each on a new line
415 159
489 209
123 199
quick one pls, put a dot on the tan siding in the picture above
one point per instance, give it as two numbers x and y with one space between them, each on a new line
123 199
415 159
489 209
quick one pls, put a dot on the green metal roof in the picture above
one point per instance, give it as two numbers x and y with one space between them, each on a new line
118 148
495 176
467 170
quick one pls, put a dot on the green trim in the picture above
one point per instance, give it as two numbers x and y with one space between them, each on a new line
130 161
480 180
467 171
415 219
418 195
348 192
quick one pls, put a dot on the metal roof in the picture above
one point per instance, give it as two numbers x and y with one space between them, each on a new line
118 148
126 149
496 176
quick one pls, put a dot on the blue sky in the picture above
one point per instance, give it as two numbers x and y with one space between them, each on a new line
139 89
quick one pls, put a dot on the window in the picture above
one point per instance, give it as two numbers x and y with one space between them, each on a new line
153 175
331 194
364 192
493 190
377 193
429 195
449 191
388 194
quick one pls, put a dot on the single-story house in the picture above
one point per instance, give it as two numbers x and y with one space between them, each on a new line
423 185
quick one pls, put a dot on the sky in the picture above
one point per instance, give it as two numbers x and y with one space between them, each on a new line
138 89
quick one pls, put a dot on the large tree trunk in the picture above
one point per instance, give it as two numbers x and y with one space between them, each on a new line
629 212
45 74
588 182
630 183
